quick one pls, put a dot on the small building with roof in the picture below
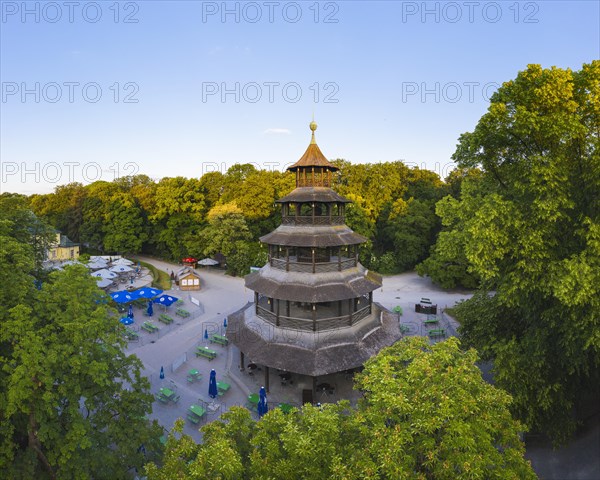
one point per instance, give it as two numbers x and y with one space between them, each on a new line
188 279
63 249
313 311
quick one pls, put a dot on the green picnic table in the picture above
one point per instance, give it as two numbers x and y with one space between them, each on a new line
253 401
222 387
164 318
193 375
149 327
206 352
182 313
220 339
437 332
285 407
430 321
196 412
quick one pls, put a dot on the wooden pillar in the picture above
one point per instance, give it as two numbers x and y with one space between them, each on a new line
314 317
255 302
313 261
370 301
267 379
287 259
339 308
277 315
241 360
314 389
287 308
339 259
350 310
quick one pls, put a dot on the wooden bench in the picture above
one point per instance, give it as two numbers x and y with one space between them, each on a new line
164 318
182 313
205 352
437 332
149 327
221 340
130 334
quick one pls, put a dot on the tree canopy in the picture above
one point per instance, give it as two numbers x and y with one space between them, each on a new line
73 404
529 229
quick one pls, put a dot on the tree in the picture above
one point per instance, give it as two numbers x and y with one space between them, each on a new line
426 413
73 404
124 225
534 238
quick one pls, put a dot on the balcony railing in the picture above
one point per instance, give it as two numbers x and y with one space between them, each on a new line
321 267
308 325
310 220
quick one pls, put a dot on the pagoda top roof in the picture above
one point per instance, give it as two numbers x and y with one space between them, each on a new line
313 157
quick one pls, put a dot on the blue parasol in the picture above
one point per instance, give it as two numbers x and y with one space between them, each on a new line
126 320
146 292
162 373
212 385
130 311
205 334
122 296
150 310
225 322
165 300
262 406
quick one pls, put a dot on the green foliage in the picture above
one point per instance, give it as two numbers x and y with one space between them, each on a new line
426 413
529 229
73 403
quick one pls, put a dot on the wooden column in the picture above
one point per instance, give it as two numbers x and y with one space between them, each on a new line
287 259
313 261
350 309
277 315
314 389
314 317
287 308
370 302
255 302
267 379
241 361
339 259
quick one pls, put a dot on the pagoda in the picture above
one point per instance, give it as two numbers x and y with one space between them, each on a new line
313 311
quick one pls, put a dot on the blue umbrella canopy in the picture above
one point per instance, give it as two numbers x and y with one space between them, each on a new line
130 311
262 406
162 373
225 322
165 300
150 310
126 320
122 296
206 334
146 292
212 385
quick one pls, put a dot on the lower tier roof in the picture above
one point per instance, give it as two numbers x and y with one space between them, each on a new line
312 353
313 287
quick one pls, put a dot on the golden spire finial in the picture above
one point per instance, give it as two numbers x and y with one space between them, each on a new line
313 127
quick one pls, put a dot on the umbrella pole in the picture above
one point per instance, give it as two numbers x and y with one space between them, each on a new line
267 378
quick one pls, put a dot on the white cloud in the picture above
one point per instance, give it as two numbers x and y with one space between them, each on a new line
277 131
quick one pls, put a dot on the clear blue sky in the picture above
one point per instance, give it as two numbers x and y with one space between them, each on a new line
395 81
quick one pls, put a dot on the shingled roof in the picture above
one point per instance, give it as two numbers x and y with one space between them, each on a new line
313 157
